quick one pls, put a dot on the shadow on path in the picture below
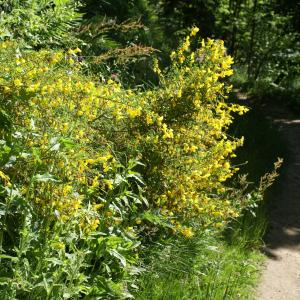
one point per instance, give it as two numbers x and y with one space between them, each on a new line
285 209
281 277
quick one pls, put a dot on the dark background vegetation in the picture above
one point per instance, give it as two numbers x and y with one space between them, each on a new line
261 35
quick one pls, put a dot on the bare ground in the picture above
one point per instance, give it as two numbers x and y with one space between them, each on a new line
281 274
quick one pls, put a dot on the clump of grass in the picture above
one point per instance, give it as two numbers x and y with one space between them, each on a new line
203 267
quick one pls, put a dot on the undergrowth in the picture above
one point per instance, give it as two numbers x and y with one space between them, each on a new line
204 267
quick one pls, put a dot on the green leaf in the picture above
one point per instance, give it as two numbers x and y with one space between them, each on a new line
55 261
117 255
119 179
66 295
67 143
156 219
45 178
136 176
3 256
4 281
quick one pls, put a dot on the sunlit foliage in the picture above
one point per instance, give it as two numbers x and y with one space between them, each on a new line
90 169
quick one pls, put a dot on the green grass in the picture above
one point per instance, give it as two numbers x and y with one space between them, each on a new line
204 267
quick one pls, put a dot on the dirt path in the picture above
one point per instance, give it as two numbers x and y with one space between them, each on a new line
281 275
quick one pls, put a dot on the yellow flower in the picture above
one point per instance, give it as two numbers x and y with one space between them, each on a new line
194 31
156 68
149 120
218 225
18 83
187 232
5 178
109 183
193 148
94 224
98 206
95 182
159 120
58 245
133 112
173 55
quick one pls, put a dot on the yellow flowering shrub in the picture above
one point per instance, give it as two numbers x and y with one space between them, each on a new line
98 166
181 136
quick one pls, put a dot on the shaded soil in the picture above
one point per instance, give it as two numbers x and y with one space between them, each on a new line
281 274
